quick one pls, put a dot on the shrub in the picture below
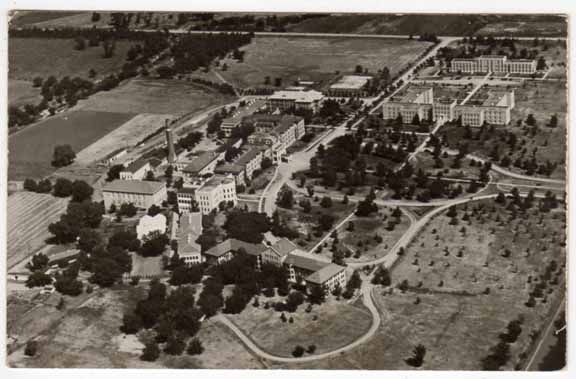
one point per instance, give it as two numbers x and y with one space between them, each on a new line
31 348
195 347
298 351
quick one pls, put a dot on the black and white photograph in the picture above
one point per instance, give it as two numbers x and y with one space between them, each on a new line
286 190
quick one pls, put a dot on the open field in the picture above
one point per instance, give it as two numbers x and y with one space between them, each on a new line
87 334
32 57
522 28
360 243
307 223
317 59
30 150
154 96
22 18
456 321
337 325
128 134
21 92
29 215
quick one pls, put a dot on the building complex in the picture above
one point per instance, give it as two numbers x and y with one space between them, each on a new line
493 63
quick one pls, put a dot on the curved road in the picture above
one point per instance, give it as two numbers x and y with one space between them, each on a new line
367 299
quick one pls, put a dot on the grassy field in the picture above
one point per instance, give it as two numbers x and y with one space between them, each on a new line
32 57
360 242
337 325
306 223
154 96
30 150
21 92
23 18
29 215
317 58
457 322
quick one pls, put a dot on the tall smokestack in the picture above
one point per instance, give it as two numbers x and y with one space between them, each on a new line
170 144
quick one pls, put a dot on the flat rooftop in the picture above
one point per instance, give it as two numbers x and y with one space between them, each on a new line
298 96
351 82
201 161
409 94
487 96
214 182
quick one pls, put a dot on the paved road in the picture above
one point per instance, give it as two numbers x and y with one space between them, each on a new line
547 339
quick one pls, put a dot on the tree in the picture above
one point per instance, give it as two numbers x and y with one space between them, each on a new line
151 352
298 351
79 43
30 185
417 357
150 176
37 82
131 323
44 186
81 191
31 348
95 17
305 205
153 245
317 295
382 276
89 239
62 188
63 156
128 210
325 222
416 119
154 210
174 345
39 262
286 199
38 279
326 202
195 347
530 120
553 121
541 64
114 172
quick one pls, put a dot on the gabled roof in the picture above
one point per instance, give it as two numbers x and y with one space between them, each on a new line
283 247
136 165
233 244
325 273
305 263
134 186
189 231
200 162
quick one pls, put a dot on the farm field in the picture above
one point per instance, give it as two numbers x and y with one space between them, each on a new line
154 96
456 321
318 58
337 324
21 92
29 215
30 150
128 134
32 57
23 18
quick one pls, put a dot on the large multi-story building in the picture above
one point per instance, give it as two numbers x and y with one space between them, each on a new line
487 104
186 198
350 86
493 63
412 101
295 98
276 132
214 191
143 194
203 164
188 232
243 168
137 170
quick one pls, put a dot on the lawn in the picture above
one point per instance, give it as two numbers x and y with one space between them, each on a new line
360 244
32 57
21 92
154 96
456 322
317 59
337 325
542 99
31 150
23 18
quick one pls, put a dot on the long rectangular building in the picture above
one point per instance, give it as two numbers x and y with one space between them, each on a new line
143 194
493 63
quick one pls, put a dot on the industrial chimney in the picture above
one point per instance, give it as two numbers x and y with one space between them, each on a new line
170 145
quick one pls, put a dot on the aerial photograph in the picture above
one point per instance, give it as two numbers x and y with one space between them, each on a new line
329 191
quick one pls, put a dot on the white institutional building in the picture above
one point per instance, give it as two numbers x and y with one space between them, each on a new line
143 194
216 190
493 63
